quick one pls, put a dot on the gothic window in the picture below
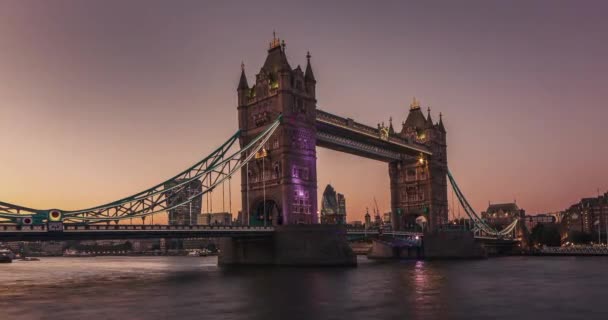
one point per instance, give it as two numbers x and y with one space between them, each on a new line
276 171
301 202
299 85
275 143
298 106
411 175
251 176
299 172
294 172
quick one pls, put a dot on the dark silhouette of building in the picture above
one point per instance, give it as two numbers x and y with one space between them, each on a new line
532 221
187 213
587 216
333 207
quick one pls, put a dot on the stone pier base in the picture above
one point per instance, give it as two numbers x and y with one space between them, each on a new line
387 250
293 245
452 245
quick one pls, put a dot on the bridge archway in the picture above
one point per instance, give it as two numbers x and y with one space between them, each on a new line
266 213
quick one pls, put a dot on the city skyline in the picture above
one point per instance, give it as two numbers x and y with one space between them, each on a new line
102 101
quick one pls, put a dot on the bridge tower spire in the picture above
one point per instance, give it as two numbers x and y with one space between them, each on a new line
309 76
286 173
243 88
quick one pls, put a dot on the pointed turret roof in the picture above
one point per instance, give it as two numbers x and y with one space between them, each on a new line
429 121
309 75
415 118
440 124
243 81
276 60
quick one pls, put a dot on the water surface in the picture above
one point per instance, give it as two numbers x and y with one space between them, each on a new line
195 288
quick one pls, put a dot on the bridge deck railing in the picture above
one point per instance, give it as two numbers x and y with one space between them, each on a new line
68 228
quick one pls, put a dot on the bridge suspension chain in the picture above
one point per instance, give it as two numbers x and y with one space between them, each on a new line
478 222
210 172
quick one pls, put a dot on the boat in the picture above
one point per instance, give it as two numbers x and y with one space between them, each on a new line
6 256
77 254
29 259
199 253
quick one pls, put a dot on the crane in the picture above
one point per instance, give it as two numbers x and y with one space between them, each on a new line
377 217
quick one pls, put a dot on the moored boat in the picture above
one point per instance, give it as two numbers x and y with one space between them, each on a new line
6 256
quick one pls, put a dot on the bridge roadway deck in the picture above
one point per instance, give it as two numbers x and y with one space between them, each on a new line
99 232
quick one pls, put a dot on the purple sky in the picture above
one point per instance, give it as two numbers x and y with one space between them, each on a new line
99 99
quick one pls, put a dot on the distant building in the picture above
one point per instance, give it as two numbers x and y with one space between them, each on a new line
198 243
501 215
368 219
387 217
216 218
184 214
341 206
587 215
333 207
143 245
357 223
532 220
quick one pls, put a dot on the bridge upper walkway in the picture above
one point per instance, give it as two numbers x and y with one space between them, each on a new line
346 135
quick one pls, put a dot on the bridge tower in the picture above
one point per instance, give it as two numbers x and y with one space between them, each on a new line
419 186
280 186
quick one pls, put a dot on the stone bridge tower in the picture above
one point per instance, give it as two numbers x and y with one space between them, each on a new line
419 186
280 186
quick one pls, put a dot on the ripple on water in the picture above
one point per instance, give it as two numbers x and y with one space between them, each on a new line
194 288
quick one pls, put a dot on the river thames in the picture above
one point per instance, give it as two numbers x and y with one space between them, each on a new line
196 288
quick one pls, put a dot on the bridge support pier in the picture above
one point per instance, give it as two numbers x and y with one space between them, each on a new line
452 245
393 250
291 245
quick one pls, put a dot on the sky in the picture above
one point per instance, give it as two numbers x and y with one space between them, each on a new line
101 99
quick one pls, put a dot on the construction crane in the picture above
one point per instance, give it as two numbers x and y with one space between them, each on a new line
377 217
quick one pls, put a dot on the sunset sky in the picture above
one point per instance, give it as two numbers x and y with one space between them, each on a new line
101 99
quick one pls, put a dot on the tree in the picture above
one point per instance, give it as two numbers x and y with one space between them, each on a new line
546 234
579 237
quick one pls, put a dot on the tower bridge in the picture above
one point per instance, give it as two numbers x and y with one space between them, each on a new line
279 129
416 154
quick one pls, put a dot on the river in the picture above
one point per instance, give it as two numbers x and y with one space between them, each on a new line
196 288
